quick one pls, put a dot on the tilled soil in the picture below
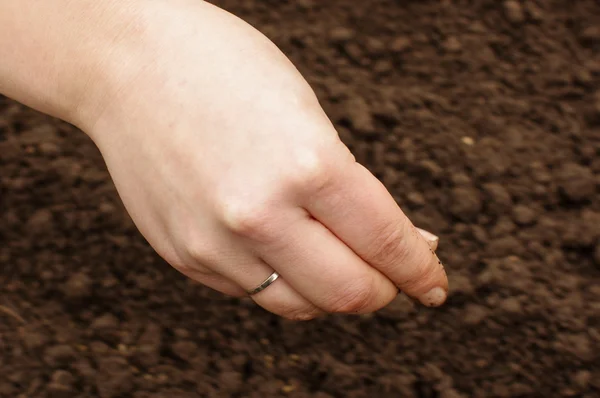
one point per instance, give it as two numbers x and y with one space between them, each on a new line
483 120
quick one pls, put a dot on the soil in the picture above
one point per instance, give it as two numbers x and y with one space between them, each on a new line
482 117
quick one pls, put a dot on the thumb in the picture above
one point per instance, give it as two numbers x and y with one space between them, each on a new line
360 211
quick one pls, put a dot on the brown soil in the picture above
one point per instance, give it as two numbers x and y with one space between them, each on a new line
483 120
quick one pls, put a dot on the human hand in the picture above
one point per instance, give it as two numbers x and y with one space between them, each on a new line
231 170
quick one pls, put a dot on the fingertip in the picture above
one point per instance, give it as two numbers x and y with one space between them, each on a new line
434 298
431 290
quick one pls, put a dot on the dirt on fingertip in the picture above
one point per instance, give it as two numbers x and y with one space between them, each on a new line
481 117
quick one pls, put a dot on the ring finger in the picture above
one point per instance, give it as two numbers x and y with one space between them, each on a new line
247 272
323 269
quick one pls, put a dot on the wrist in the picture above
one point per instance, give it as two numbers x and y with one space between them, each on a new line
61 57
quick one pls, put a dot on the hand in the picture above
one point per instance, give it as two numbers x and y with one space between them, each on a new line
231 170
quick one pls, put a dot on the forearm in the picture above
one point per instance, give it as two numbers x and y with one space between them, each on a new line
54 52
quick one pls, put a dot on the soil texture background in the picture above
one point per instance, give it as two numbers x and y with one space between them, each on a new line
482 117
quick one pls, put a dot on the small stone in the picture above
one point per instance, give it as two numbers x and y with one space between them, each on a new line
475 314
398 385
63 377
7 389
512 305
98 347
498 200
185 349
105 322
450 393
595 379
321 394
477 27
359 114
354 52
149 345
534 12
514 12
10 150
78 285
415 198
59 355
589 227
583 76
521 390
383 66
479 233
114 377
576 182
490 161
374 47
430 169
232 381
431 373
40 220
591 34
503 247
592 113
49 148
182 333
523 215
34 339
84 369
288 388
39 133
62 381
465 203
107 208
93 175
341 35
59 391
582 378
400 44
578 345
305 4
468 141
461 179
452 45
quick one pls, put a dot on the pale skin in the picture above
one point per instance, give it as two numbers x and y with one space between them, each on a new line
220 152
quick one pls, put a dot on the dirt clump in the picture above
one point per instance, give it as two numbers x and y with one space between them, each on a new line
482 118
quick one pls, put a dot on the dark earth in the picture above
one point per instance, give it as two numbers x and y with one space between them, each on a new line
482 117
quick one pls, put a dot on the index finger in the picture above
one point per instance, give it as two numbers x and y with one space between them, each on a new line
359 210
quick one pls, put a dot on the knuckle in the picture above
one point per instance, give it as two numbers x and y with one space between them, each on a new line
198 273
305 313
194 266
310 169
187 258
195 247
420 273
172 255
390 247
195 271
355 298
197 250
248 220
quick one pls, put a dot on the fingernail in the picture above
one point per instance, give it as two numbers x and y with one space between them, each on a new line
431 239
434 298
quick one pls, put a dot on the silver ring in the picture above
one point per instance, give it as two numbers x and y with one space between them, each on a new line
272 278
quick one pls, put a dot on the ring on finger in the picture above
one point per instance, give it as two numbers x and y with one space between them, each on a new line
265 284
